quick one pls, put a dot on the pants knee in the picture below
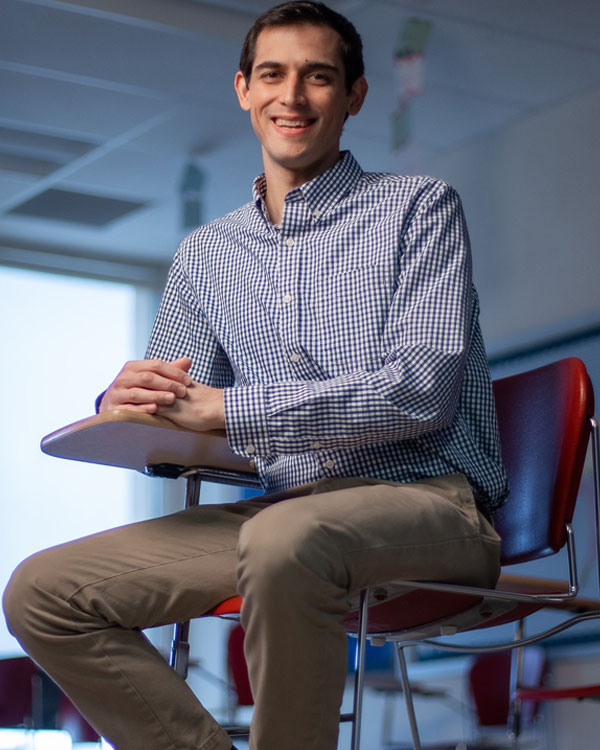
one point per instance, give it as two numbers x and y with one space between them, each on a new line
26 597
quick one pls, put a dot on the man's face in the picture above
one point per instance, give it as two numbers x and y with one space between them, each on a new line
297 98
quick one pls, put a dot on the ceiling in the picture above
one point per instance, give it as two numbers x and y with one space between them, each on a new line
103 104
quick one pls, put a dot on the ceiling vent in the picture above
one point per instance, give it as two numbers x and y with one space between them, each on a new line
75 208
40 154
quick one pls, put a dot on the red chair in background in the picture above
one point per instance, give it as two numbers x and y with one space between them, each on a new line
240 692
29 699
489 683
541 694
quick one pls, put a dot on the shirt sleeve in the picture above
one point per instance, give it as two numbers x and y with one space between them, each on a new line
181 330
425 344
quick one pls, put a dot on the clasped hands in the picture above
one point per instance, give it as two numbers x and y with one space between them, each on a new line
155 387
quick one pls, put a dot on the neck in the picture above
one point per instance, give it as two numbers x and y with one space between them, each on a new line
275 197
278 186
280 181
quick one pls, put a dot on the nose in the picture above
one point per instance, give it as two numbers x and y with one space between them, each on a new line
292 93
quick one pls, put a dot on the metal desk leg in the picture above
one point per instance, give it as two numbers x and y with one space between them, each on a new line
180 647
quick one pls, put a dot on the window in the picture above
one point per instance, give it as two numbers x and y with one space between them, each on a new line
63 341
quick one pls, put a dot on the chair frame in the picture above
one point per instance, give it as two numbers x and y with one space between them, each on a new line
422 636
492 602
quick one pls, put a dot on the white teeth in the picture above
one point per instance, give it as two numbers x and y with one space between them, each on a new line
292 123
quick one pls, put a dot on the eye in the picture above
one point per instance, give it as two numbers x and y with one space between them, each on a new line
269 75
320 78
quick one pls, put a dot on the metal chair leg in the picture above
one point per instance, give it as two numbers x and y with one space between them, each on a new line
516 677
359 675
410 709
180 649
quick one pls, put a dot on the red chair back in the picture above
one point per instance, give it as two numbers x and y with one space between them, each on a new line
544 420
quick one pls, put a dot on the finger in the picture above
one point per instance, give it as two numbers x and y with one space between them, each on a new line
175 370
139 396
151 381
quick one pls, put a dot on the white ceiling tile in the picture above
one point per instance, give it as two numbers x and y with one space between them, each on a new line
142 175
507 67
72 107
12 184
109 51
197 128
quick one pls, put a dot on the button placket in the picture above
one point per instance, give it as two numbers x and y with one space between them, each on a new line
288 297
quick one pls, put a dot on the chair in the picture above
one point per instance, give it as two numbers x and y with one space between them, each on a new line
545 419
489 683
240 692
577 692
29 699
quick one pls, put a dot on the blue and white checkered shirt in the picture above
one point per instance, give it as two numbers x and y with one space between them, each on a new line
347 338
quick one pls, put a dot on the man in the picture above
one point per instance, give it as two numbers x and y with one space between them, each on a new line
330 327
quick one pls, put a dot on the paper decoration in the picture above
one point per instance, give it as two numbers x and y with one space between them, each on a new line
409 57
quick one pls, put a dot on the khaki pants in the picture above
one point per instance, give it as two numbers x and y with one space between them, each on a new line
295 557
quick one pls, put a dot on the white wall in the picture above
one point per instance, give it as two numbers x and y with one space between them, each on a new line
532 197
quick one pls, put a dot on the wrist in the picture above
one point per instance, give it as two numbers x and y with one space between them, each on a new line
219 410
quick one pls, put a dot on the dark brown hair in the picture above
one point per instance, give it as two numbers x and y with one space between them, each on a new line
308 12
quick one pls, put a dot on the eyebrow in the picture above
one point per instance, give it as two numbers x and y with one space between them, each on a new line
309 64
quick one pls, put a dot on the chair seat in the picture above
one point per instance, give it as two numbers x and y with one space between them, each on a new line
231 606
408 611
421 607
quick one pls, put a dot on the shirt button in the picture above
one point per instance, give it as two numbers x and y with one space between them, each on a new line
295 357
317 212
329 464
287 298
290 242
250 449
315 446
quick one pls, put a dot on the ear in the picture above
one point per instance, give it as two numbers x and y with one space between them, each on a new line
357 95
241 89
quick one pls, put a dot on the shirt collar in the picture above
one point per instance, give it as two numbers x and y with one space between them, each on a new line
322 192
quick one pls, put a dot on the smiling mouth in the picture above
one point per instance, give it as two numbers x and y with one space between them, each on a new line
293 124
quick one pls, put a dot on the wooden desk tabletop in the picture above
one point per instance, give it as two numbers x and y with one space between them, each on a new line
134 441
